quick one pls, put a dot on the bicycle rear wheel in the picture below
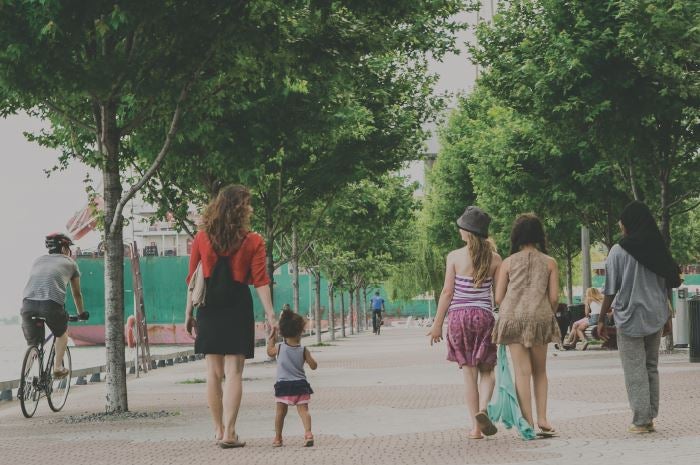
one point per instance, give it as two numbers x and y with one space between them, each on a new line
57 388
30 383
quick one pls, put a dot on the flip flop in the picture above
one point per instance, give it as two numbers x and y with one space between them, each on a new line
308 440
231 444
485 424
547 433
475 436
62 373
277 444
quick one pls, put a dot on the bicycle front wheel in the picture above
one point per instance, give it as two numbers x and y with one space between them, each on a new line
30 382
57 388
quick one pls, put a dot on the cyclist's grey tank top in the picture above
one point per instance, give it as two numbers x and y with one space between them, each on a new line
290 363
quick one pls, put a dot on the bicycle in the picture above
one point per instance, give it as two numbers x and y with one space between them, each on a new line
37 377
377 322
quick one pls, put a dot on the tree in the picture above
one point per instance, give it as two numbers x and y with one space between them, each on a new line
615 77
347 95
363 234
106 73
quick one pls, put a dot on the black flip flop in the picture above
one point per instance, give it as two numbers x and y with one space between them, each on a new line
485 424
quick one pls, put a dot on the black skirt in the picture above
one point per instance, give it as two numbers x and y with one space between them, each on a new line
227 329
298 387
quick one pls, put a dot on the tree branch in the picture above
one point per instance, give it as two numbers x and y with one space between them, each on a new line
64 114
138 119
157 162
683 197
686 210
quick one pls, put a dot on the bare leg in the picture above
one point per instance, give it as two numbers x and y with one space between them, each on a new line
305 416
471 390
486 384
580 331
539 378
522 366
215 373
233 391
60 344
279 420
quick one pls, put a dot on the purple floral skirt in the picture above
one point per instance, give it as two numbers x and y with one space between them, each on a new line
469 337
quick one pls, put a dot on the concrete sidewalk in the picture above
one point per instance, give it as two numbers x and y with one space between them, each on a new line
385 399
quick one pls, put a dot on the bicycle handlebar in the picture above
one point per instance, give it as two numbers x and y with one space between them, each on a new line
82 317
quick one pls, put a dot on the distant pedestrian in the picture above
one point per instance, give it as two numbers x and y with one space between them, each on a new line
527 290
232 257
377 304
292 387
466 299
638 272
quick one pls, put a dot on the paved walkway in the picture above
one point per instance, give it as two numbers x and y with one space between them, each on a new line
379 400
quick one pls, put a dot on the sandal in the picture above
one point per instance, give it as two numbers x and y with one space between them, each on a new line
308 440
231 444
61 373
485 424
277 443
475 436
547 432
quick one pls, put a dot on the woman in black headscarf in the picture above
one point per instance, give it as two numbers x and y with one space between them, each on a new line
639 271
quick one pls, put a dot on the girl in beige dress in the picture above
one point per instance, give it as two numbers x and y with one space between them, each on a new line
527 291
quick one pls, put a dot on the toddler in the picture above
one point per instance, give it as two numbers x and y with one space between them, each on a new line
291 387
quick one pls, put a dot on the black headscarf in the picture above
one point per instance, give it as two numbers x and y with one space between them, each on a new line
645 243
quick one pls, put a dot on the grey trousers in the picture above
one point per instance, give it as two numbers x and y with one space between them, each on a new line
640 359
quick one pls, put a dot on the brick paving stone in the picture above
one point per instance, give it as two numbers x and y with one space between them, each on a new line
388 399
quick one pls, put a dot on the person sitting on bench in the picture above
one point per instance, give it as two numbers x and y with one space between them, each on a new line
593 302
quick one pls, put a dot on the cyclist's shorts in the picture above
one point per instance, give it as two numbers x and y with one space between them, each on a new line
56 319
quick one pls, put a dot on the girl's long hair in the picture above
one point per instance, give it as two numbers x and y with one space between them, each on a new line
593 295
226 219
527 229
481 252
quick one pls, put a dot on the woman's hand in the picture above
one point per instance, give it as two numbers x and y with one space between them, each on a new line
668 327
190 324
435 334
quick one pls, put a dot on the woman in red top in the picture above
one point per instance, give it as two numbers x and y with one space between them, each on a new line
232 257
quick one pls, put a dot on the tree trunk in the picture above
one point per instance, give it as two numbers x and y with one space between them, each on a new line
295 272
665 210
331 312
358 311
342 313
586 257
269 248
351 309
569 278
317 282
666 233
114 265
364 306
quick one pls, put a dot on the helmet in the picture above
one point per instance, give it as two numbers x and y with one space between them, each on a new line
56 241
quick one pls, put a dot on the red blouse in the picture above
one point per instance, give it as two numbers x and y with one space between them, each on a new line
247 264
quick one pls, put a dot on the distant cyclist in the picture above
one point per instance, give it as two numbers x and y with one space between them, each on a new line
377 308
44 296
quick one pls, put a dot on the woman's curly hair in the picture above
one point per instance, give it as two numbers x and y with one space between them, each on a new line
227 218
291 324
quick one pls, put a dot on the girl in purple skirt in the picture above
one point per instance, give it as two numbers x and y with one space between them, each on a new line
466 299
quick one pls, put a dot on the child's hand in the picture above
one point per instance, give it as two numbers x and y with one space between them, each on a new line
273 334
435 334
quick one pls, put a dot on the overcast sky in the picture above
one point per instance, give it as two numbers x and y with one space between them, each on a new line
34 205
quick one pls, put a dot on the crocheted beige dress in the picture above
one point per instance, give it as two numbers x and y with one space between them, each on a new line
525 316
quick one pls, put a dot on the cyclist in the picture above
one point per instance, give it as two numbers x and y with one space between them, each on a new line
45 294
377 308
